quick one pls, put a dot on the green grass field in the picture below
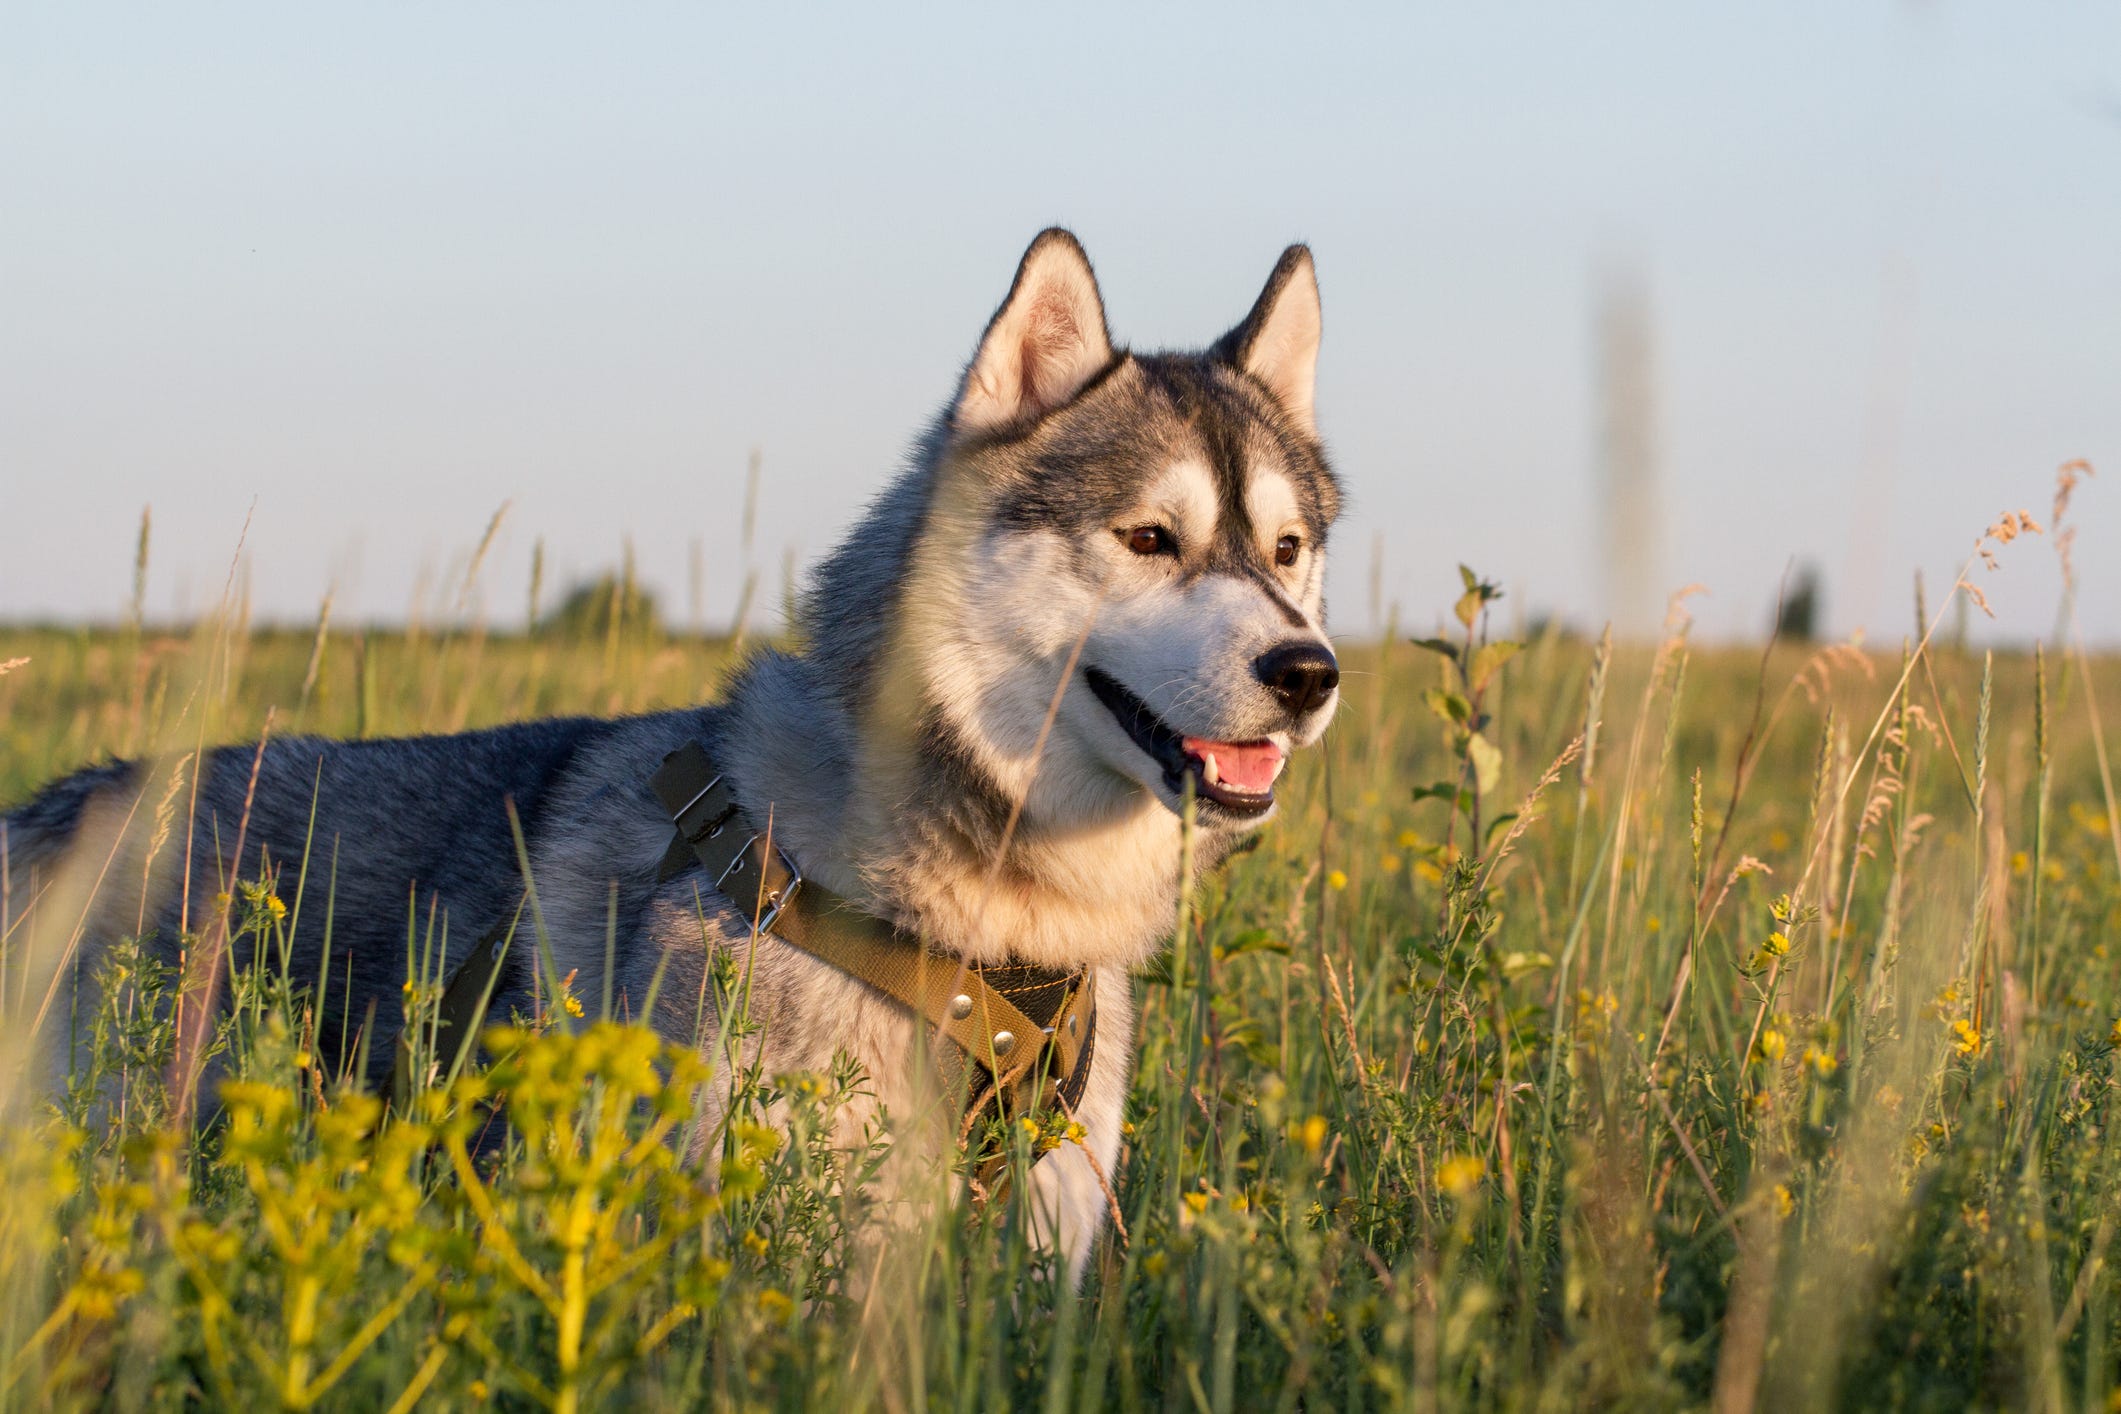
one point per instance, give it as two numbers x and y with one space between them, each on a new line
1763 1058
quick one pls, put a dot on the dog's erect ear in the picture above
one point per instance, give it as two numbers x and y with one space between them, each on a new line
1043 345
1278 342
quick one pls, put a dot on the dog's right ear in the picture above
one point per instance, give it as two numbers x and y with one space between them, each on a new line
1278 342
1044 344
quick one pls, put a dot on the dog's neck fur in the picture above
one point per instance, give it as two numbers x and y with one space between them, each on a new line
899 823
882 800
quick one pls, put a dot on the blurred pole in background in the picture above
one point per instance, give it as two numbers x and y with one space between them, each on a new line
1630 534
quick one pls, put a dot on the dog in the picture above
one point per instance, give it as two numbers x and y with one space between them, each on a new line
1094 594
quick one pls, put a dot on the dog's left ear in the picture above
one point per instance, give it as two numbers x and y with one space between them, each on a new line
1278 342
1044 344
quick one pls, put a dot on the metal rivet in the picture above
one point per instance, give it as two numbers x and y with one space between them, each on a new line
961 1006
1075 1024
1003 1041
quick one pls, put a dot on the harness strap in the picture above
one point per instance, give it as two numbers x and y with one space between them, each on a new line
457 1016
959 997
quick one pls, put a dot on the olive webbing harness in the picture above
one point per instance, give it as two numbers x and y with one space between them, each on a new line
1019 1035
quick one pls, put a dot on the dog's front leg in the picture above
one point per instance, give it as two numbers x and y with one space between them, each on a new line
1075 1189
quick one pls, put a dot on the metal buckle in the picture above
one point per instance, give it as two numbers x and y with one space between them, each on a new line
779 898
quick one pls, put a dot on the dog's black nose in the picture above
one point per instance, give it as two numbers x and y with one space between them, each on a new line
1302 675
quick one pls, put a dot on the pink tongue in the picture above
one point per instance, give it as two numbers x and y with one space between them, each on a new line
1248 766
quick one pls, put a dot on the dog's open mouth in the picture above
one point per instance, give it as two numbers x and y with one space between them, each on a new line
1239 776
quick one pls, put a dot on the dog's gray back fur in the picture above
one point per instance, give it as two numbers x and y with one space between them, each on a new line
400 827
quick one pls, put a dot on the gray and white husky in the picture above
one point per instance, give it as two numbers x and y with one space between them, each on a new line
1137 537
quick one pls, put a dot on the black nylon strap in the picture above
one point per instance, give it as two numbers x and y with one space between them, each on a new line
458 1015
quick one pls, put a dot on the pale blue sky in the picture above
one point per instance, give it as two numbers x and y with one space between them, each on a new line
383 268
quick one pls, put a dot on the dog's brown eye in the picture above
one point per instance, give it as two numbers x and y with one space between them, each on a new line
1285 550
1150 540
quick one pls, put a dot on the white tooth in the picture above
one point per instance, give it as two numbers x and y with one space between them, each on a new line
1280 765
1208 770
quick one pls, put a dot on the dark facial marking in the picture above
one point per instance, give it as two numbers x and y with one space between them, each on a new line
1273 591
1217 414
1085 466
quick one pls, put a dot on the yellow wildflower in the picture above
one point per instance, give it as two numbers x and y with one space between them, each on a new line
1770 1046
1313 1133
1390 864
1785 1204
1408 840
1820 1063
1460 1175
100 1291
1335 879
1600 1006
1968 1037
1776 945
